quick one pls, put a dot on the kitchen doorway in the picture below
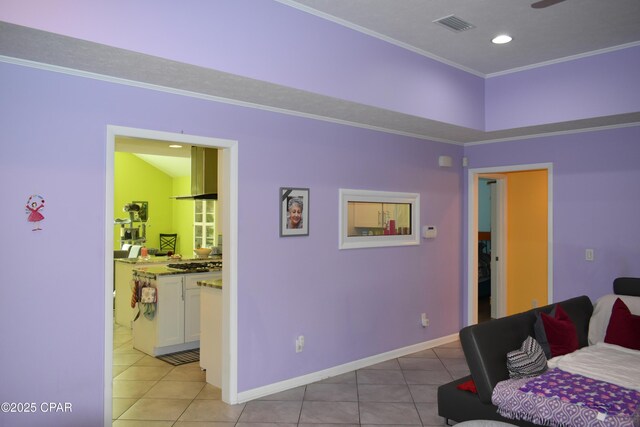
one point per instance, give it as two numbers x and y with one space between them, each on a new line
500 288
229 212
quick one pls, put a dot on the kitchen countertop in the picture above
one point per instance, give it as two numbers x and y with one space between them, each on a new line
157 266
163 259
161 270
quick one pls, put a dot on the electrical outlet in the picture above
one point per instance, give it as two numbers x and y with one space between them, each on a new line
588 255
299 343
424 320
534 303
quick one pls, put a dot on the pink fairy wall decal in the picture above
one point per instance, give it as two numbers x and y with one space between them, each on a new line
34 204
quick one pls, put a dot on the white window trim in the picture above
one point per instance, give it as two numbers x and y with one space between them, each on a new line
355 242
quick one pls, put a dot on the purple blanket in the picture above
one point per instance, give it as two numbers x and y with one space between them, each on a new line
558 398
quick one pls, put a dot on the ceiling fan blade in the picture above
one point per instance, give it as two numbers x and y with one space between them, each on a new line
545 3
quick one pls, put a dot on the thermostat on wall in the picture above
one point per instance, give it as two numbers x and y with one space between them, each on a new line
429 231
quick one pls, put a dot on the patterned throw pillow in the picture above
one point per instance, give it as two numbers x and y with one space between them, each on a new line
528 361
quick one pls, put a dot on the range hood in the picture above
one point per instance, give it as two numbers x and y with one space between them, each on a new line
204 174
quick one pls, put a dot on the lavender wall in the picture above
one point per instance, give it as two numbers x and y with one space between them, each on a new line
348 304
269 41
596 203
594 86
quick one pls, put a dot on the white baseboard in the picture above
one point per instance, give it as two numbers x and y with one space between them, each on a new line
266 390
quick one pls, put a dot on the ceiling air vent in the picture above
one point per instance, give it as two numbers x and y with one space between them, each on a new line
454 23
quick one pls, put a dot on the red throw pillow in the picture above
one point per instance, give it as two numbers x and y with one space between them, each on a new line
624 327
561 332
468 386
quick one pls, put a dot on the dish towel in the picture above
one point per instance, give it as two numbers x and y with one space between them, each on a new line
148 295
148 299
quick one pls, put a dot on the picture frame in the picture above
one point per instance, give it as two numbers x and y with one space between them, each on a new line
294 211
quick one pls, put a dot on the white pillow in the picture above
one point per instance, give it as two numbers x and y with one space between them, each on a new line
602 312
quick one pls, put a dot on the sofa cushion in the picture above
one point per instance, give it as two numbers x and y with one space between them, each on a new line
602 313
527 361
561 332
627 286
624 327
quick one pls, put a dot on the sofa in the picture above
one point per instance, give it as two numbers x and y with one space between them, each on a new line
486 345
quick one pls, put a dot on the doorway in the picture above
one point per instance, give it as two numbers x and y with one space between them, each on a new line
229 213
500 287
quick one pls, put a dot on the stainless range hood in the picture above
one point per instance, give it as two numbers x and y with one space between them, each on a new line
204 174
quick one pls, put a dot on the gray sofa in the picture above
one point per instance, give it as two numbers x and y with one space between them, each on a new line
485 348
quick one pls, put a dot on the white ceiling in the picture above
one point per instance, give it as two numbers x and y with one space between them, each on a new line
566 29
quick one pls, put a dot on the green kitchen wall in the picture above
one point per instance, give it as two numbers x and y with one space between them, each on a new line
137 180
183 217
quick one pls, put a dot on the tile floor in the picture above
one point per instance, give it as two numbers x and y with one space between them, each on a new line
399 392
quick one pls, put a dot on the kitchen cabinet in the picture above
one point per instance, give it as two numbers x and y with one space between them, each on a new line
176 324
367 215
170 311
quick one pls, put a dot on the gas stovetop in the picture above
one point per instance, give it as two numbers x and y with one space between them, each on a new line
196 267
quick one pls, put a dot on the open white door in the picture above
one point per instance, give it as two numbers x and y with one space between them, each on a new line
498 252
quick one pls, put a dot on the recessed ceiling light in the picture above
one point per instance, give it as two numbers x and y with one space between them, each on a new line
175 146
501 39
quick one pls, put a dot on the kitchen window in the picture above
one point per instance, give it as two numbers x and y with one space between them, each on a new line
204 224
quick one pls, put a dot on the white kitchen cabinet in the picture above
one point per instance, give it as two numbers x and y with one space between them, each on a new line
176 324
170 311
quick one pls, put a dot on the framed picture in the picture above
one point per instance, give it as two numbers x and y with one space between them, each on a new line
294 211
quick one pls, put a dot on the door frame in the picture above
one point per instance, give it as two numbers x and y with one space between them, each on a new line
229 198
472 230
